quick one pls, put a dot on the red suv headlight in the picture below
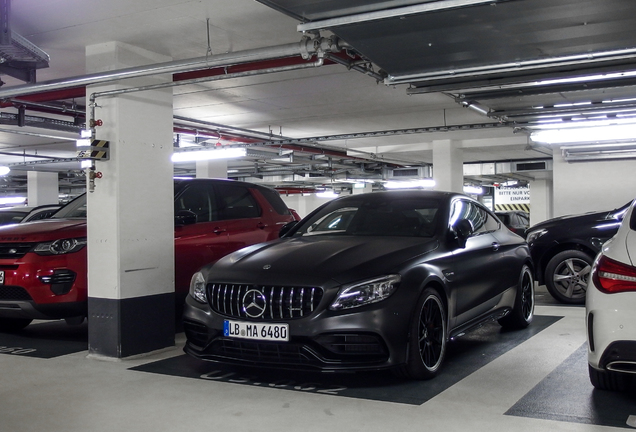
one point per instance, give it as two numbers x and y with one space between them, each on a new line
613 277
60 247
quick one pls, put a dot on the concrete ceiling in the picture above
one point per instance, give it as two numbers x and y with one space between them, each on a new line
326 101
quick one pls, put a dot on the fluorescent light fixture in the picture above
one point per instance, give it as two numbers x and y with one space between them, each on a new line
327 194
223 153
474 190
86 133
424 183
359 186
84 142
590 120
12 200
585 134
604 151
86 163
587 78
4 170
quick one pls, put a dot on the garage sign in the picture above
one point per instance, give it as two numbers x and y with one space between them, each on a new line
507 199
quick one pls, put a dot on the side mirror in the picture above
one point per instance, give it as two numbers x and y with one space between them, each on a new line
185 217
287 228
462 229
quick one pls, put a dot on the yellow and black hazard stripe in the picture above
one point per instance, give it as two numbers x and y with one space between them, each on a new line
513 207
98 150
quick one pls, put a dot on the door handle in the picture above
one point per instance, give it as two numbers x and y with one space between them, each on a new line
218 231
495 246
261 225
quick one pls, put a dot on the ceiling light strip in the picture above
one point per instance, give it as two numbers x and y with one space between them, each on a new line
574 60
390 13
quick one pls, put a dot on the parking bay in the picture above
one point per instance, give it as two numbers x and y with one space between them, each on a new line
45 340
564 395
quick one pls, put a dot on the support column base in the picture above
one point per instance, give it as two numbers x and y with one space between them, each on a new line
121 328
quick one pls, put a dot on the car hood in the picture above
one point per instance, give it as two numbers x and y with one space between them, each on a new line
571 220
43 230
317 260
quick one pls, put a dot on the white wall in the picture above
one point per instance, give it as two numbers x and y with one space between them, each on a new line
592 186
304 204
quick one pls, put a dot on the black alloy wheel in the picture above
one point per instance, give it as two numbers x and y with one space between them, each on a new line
567 275
522 312
428 337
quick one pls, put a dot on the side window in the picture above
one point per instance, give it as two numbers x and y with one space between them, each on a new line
236 202
482 220
273 198
490 223
199 199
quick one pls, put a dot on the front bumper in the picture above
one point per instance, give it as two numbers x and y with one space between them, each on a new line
367 338
44 287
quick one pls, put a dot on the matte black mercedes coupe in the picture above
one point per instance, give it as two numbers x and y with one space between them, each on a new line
371 281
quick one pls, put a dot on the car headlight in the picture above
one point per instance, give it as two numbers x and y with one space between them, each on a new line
534 235
197 288
60 247
365 292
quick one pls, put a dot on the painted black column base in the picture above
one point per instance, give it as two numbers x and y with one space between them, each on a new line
125 327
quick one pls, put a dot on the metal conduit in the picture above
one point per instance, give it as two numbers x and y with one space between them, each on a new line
315 64
306 47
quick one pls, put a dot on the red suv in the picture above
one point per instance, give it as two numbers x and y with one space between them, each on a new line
43 264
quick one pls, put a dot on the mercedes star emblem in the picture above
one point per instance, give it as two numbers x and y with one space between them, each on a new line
254 303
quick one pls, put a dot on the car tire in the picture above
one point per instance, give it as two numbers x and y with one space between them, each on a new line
523 310
13 324
567 275
609 380
427 338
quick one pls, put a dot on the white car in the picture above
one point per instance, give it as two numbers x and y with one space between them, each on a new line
611 311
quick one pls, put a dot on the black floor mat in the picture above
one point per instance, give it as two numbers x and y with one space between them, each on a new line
465 355
567 395
45 340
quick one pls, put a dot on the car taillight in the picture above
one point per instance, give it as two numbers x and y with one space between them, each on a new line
613 277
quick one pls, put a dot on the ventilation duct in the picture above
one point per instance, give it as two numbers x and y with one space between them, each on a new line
19 58
410 173
502 168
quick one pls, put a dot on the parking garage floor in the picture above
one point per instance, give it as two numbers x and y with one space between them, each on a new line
535 379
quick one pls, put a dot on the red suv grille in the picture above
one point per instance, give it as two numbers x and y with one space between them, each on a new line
14 250
13 293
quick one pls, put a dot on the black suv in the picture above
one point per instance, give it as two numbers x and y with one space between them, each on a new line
563 250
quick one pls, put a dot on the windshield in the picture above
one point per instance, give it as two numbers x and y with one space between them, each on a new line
10 217
404 217
74 209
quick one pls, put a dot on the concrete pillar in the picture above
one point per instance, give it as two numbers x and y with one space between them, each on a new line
448 166
216 168
540 200
131 305
42 188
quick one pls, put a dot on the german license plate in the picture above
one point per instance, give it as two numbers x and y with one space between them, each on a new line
1 277
257 331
